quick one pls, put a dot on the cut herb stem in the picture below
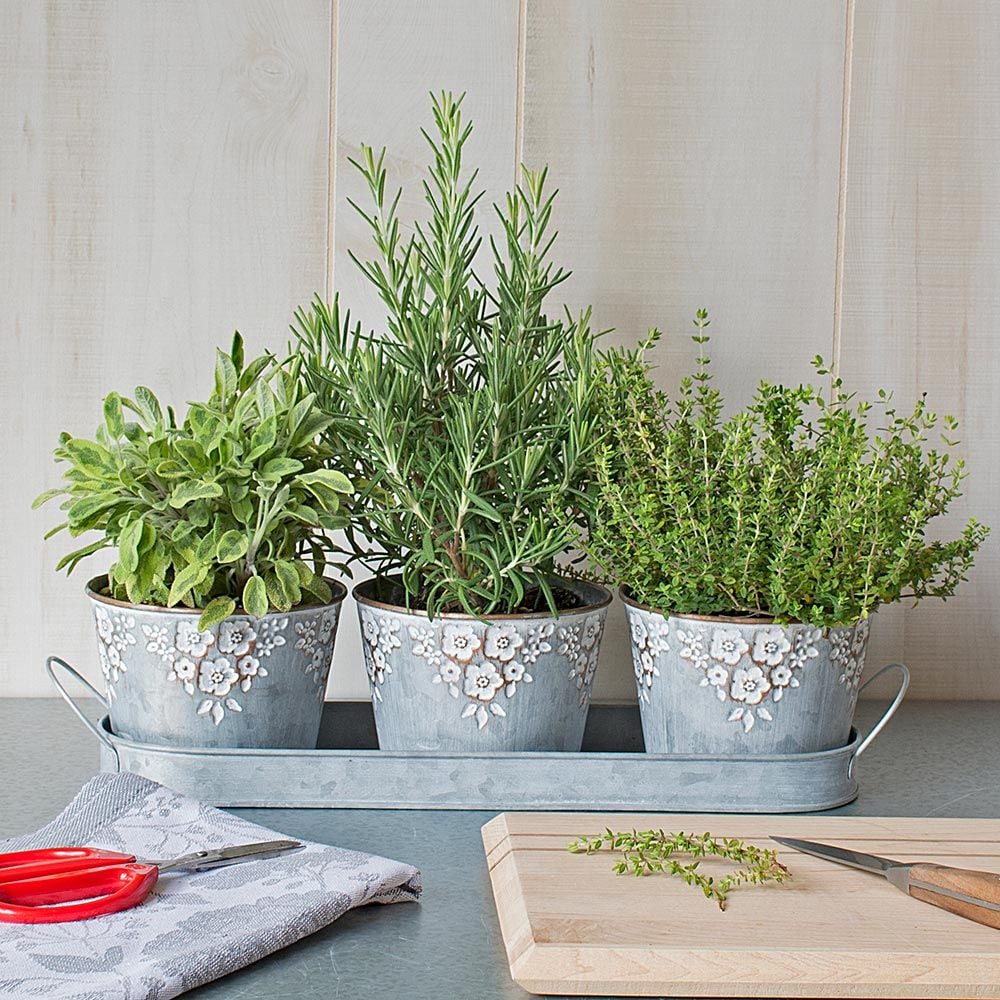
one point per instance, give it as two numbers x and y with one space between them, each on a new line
652 852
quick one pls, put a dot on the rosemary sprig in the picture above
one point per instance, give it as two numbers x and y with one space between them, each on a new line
651 852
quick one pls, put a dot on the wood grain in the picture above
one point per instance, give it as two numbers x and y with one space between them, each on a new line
390 56
164 172
572 926
921 299
926 881
697 149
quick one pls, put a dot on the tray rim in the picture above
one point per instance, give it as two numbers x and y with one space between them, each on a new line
546 755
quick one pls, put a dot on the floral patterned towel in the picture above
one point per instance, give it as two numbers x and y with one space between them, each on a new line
194 927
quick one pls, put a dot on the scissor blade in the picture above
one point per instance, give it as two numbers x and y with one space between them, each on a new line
201 860
856 859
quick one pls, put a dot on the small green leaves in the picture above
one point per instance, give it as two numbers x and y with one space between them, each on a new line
212 511
794 507
651 852
255 597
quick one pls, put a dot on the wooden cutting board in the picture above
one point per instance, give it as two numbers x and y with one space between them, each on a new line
571 925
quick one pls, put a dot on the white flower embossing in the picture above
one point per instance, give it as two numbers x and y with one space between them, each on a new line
482 681
269 635
216 676
236 637
190 641
804 648
770 646
306 632
502 642
693 647
460 642
728 646
749 685
478 661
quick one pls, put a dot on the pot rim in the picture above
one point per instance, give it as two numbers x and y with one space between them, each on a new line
372 602
91 589
728 620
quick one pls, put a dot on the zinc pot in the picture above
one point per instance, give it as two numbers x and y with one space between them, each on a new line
461 684
712 685
246 682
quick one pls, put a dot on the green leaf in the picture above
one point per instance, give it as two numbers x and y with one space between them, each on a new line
91 458
225 375
255 597
262 439
318 588
184 580
149 405
188 491
236 351
46 496
72 558
288 581
128 546
277 468
114 419
232 545
216 611
330 478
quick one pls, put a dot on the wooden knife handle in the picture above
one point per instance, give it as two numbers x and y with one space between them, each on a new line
934 883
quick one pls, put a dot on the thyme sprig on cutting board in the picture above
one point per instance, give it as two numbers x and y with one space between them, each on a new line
651 852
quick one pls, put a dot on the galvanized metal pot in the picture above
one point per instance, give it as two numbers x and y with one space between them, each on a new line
743 686
462 684
244 683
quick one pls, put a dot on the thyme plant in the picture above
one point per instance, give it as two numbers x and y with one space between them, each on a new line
652 852
230 505
792 508
467 418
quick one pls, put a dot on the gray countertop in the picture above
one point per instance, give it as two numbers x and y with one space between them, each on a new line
935 759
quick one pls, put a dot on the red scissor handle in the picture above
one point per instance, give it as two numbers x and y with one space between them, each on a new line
53 860
101 890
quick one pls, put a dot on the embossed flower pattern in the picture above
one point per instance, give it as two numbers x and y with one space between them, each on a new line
751 669
482 661
217 664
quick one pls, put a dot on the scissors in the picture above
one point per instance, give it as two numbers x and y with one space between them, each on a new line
59 884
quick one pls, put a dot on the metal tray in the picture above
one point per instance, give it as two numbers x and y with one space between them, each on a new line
612 772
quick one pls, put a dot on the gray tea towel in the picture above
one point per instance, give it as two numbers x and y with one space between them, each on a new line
194 927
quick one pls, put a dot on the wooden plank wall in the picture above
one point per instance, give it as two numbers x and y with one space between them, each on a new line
171 171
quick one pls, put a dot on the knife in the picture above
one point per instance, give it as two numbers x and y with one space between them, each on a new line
971 894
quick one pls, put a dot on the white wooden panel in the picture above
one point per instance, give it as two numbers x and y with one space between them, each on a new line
697 146
921 299
164 178
389 57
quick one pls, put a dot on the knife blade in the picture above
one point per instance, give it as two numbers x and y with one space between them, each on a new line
972 894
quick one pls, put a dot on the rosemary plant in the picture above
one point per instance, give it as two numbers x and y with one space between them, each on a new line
653 852
791 508
467 419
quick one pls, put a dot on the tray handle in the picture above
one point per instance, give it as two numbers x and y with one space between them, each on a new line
904 683
50 668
